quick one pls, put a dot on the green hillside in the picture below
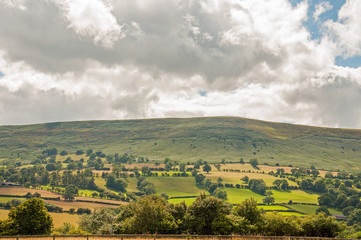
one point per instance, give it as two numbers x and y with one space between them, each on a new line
186 140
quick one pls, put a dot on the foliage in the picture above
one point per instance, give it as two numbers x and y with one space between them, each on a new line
29 218
206 215
150 214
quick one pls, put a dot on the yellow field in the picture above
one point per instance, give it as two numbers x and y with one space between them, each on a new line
58 218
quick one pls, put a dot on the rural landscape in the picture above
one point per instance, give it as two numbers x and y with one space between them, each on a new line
180 119
109 185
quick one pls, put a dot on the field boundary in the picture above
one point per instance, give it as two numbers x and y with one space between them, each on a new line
165 236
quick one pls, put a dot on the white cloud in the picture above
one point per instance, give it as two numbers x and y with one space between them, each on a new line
321 9
92 18
254 58
347 30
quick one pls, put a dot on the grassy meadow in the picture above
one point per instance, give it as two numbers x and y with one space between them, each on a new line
187 140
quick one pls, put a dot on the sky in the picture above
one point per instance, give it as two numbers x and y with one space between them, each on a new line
293 61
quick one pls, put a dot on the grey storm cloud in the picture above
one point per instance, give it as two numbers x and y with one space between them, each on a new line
73 60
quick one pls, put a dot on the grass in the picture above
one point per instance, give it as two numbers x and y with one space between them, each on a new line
291 214
190 139
236 196
310 209
272 207
295 196
7 199
188 201
175 186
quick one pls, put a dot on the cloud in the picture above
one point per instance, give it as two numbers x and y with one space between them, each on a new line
76 60
347 30
321 9
92 18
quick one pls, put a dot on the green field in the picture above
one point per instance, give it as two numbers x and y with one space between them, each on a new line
187 201
295 196
311 209
272 207
237 195
175 186
189 139
7 199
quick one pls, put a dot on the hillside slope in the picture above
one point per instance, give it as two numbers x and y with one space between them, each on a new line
189 139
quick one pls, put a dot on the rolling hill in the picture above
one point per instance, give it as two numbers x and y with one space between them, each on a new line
189 139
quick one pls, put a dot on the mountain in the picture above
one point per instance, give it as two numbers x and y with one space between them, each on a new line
189 139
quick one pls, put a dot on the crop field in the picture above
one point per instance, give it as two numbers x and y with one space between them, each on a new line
175 186
58 218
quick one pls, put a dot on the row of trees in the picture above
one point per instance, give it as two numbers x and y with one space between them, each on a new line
206 215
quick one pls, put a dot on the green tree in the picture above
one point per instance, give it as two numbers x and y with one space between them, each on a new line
207 168
150 214
29 218
206 215
221 194
321 225
254 163
70 192
268 200
251 213
101 221
276 224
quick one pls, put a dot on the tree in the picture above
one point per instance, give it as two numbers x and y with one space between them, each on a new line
199 178
70 192
207 168
101 221
321 225
277 225
182 167
218 166
257 185
150 214
245 179
277 183
206 215
249 210
29 218
254 163
221 194
323 209
268 200
284 184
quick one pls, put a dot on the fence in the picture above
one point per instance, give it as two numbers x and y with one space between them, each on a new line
160 237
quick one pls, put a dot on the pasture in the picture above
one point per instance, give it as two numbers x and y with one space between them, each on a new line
175 186
311 209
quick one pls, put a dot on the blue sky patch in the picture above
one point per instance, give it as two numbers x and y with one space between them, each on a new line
202 93
353 62
315 26
1 74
